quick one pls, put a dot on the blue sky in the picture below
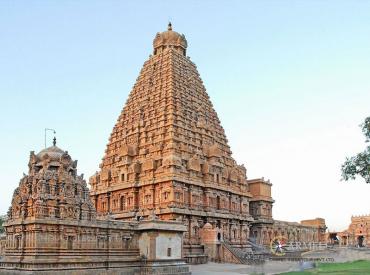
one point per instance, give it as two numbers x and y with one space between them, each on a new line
289 80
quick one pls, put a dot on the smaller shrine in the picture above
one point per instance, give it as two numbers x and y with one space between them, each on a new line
52 189
52 226
357 234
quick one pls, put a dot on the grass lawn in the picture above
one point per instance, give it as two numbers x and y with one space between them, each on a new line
359 267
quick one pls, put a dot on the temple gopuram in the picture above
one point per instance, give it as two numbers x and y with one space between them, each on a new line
357 234
168 156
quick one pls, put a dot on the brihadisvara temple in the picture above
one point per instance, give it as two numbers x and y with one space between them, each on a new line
168 192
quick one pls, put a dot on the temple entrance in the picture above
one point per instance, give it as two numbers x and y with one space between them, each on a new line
333 238
219 236
360 241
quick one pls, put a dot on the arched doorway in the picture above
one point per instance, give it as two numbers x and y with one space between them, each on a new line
333 238
360 241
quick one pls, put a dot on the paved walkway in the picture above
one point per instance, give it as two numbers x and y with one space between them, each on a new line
276 267
270 267
341 254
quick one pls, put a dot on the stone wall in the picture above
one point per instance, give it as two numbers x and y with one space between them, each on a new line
69 243
59 245
263 234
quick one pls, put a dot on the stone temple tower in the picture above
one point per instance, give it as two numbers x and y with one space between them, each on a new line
52 189
168 154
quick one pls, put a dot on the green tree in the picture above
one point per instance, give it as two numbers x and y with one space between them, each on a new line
359 165
1 225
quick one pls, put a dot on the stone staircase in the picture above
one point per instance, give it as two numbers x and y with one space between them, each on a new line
195 254
246 255
258 248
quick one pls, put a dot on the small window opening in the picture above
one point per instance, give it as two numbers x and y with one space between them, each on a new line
70 242
122 203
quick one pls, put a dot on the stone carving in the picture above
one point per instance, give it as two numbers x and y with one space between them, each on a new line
52 183
52 227
172 156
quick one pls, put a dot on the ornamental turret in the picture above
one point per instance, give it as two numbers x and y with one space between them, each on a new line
170 39
52 189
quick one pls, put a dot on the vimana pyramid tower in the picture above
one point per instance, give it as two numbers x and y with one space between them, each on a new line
168 156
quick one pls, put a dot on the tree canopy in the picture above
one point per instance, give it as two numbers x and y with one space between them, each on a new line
359 165
1 225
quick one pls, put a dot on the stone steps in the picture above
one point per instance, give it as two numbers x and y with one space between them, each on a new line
246 255
195 254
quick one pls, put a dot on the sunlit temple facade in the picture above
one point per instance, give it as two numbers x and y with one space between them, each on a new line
167 191
168 155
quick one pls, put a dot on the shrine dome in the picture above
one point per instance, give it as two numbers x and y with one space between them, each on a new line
54 152
170 39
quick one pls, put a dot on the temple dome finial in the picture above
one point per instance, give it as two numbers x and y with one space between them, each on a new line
170 39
